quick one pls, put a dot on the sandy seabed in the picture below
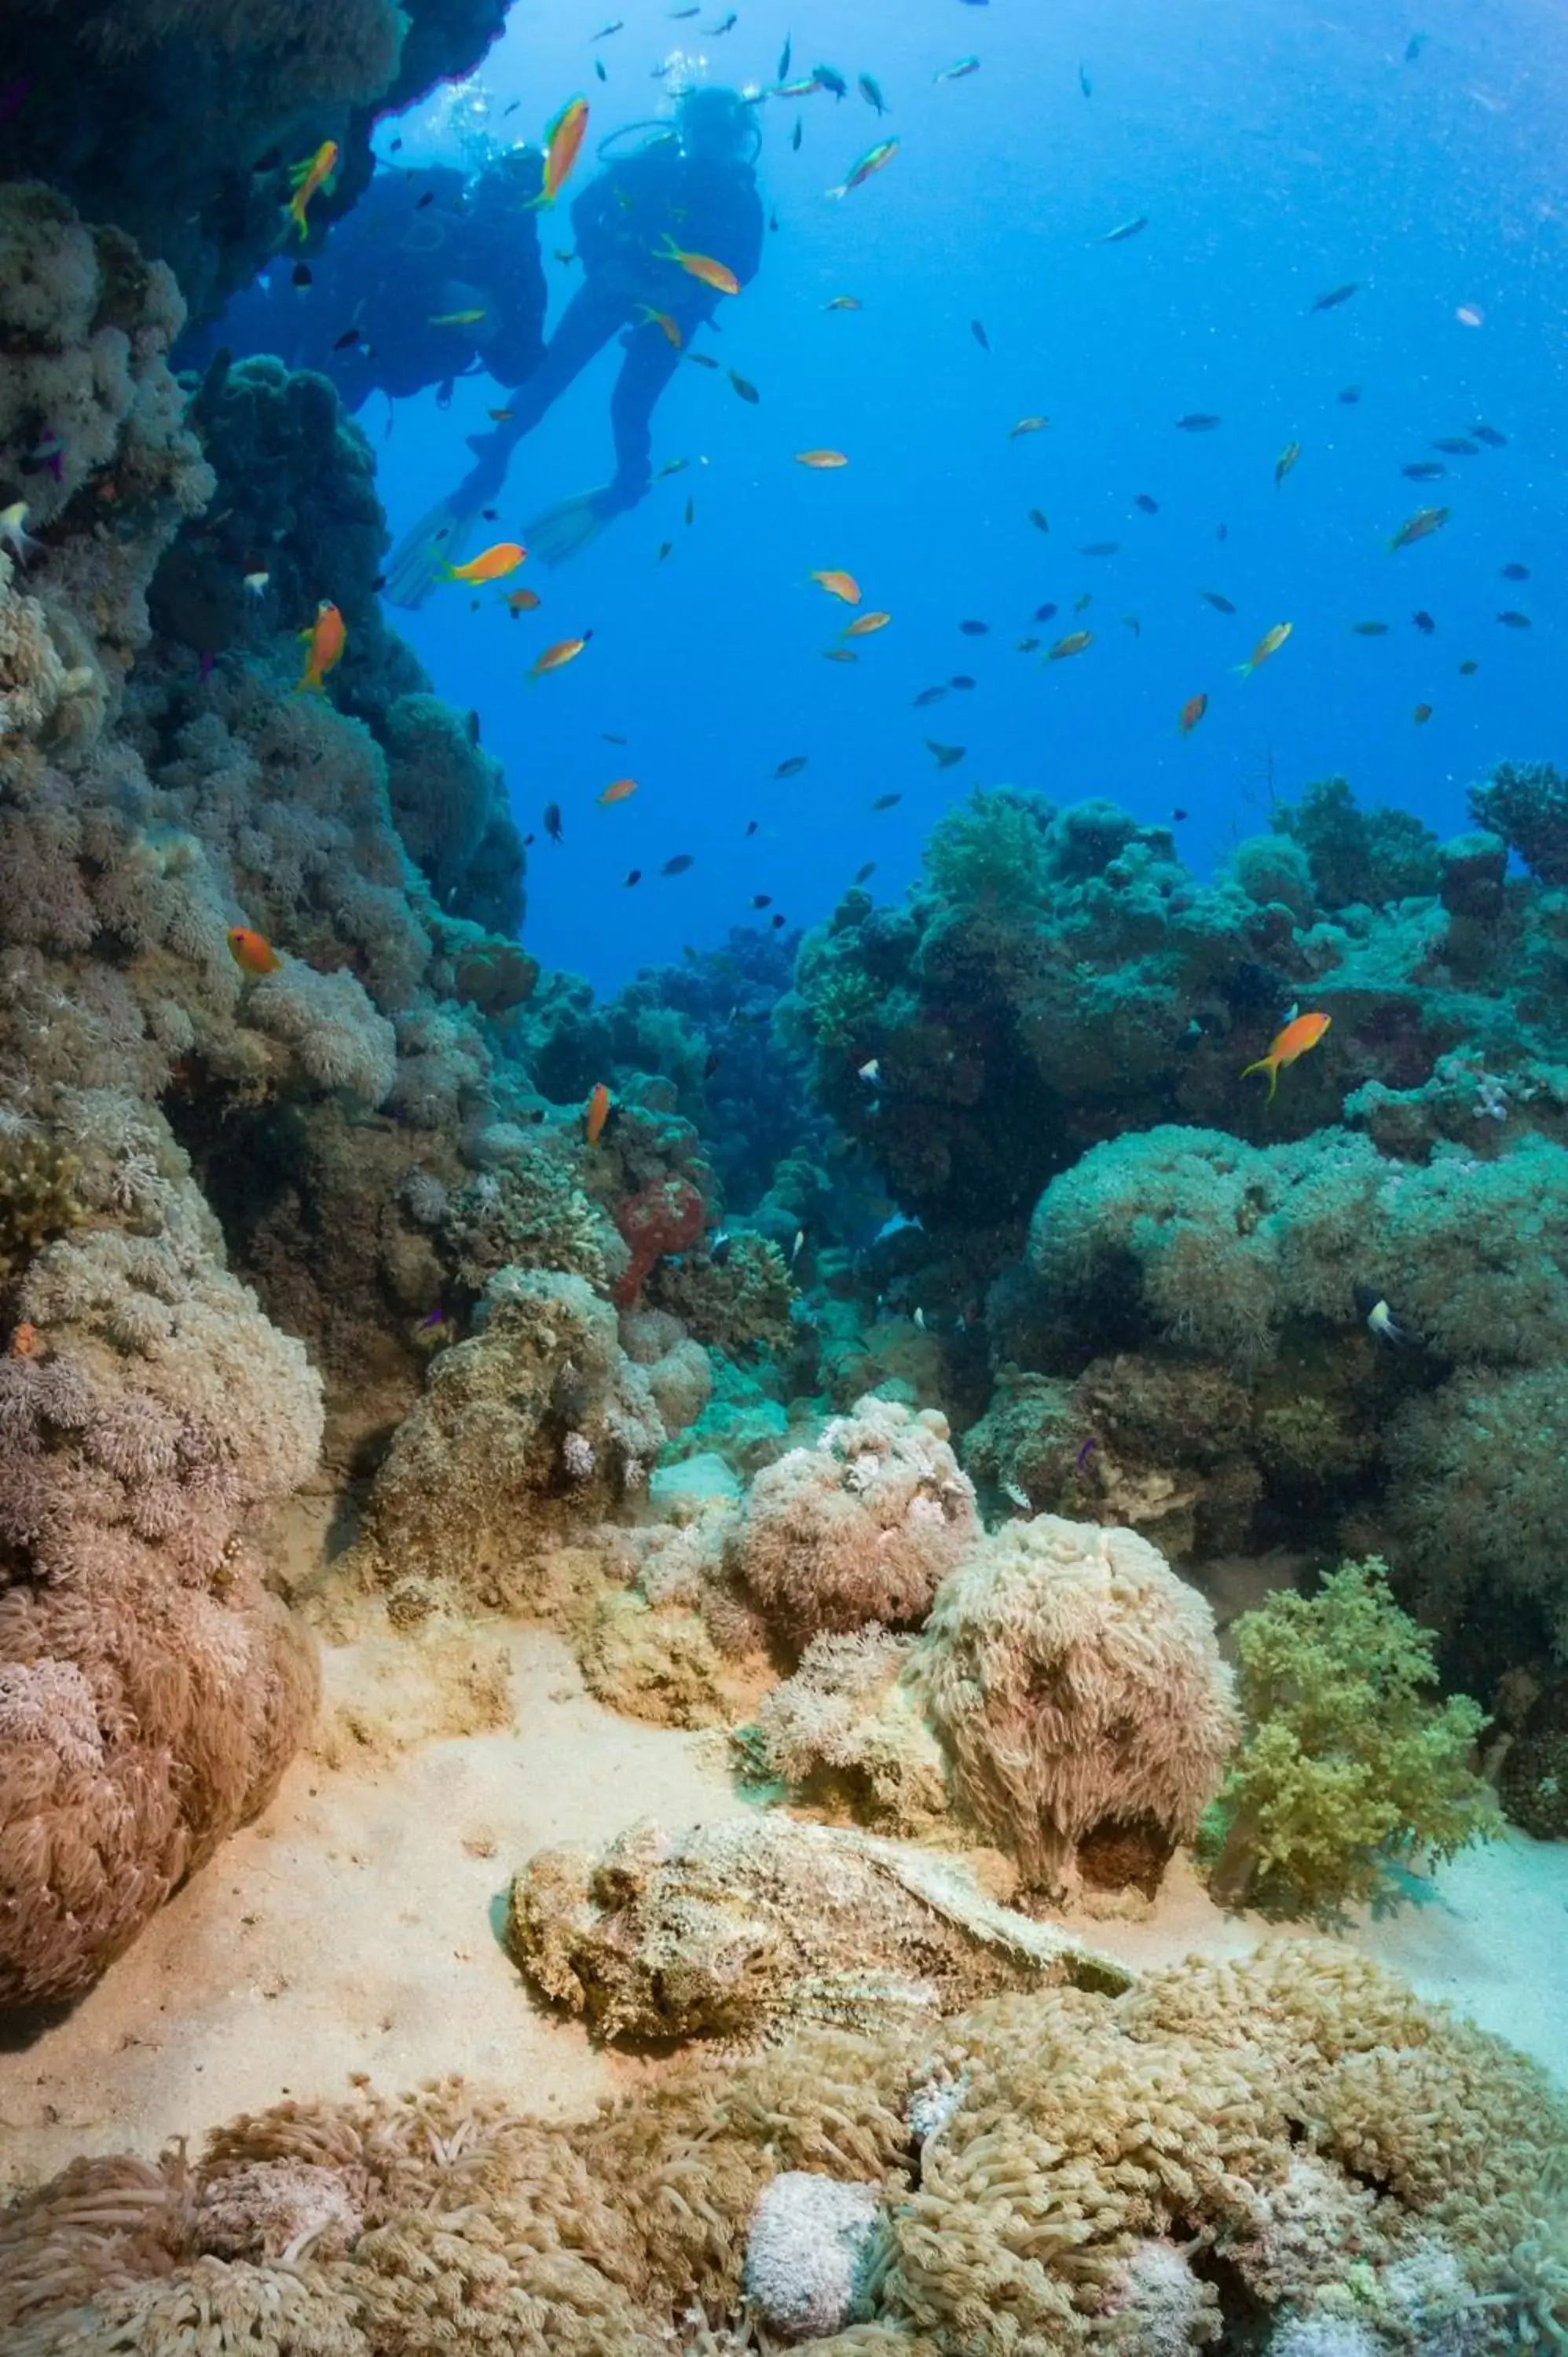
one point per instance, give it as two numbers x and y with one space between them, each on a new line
354 1928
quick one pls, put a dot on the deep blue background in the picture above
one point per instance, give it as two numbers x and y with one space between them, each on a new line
1277 152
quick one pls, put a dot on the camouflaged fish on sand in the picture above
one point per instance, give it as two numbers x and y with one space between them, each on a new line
737 1930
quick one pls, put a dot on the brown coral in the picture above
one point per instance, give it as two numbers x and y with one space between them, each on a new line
1077 1684
860 1527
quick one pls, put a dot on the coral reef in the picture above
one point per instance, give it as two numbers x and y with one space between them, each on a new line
849 1730
1350 1770
1077 1688
860 1527
731 1930
1289 2144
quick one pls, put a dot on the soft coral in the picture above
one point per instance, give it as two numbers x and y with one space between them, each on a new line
666 1216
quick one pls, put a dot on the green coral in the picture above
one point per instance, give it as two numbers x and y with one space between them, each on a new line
39 1197
1348 1767
1370 855
991 852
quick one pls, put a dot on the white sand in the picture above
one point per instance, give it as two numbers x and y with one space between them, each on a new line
353 1928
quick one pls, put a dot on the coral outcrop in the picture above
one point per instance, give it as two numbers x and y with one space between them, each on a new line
1077 1684
1290 2146
860 1527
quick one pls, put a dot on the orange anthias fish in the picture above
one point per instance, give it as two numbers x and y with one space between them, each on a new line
1268 644
595 1112
557 657
699 266
562 141
251 952
325 642
821 458
664 323
307 177
1192 712
864 624
490 564
617 790
839 585
1303 1032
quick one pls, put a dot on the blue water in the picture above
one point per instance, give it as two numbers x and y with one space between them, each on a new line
1277 153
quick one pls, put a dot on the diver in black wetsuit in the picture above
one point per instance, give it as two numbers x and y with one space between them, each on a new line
694 185
439 273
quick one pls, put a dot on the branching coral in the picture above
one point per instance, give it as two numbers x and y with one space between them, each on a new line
1350 1767
850 1728
860 1527
1077 1684
1527 804
738 1302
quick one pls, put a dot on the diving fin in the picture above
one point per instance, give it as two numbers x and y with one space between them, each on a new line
563 530
421 557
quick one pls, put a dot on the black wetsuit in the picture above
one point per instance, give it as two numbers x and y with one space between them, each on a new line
621 221
392 269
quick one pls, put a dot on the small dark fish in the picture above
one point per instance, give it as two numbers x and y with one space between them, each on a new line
931 695
711 1063
702 359
605 737
1414 46
1179 815
793 766
1085 1453
1424 470
871 91
691 510
1085 85
1513 620
1422 715
784 57
1026 646
427 198
945 756
1423 621
751 827
1124 229
1457 445
830 79
1370 629
863 875
976 630
725 24
1336 296
744 387
380 582
598 69
605 30
1221 605
664 548
1149 506
1198 421
553 826
977 330
473 727
1349 394
960 679
1047 612
302 274
632 876
776 920
885 801
679 864
350 335
1131 623
1490 436
1041 522
762 899
1515 572
1100 548
796 135
1221 531
1469 668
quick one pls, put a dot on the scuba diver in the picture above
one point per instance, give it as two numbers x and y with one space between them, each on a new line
692 185
433 274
